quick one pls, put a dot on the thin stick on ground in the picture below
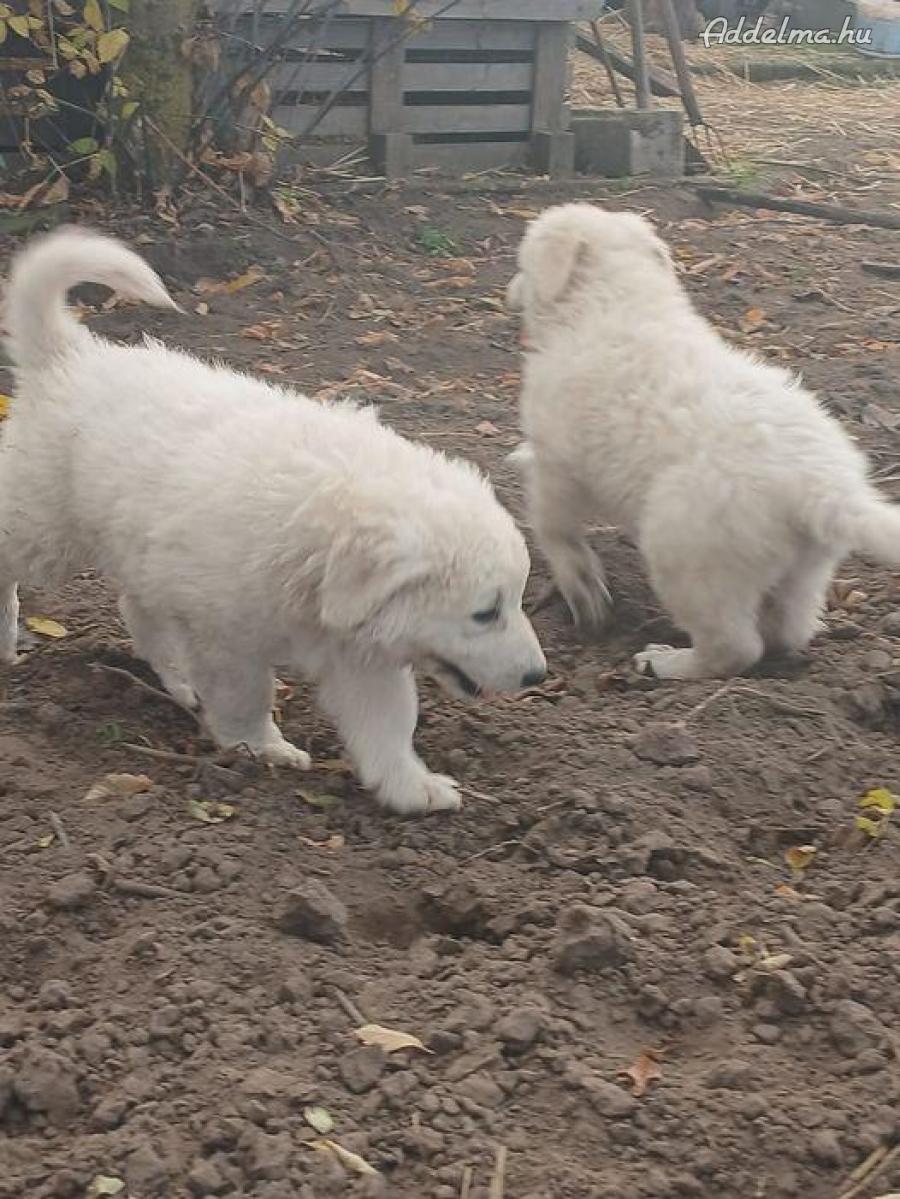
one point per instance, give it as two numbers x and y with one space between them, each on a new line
59 828
825 212
498 1178
874 1165
708 702
350 1007
171 755
465 1185
148 688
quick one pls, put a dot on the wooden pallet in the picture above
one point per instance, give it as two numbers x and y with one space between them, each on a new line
484 86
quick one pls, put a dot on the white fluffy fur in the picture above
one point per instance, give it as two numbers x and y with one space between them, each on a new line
742 494
247 527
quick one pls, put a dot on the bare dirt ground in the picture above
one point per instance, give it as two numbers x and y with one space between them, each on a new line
616 893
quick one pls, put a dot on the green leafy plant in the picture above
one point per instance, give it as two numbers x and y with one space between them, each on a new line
437 243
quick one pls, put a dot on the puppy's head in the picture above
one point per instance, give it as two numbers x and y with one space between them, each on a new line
574 247
439 585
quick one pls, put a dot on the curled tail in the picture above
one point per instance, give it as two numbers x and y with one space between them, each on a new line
38 325
875 530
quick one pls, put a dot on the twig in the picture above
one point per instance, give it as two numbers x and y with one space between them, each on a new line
887 270
607 64
825 212
782 706
710 699
660 85
498 1178
171 755
870 1168
482 853
480 795
131 886
465 1184
148 687
349 1007
60 831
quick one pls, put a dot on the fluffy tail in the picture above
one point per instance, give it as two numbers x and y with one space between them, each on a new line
875 531
38 326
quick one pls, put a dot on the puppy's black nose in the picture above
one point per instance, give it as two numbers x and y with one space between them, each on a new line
534 678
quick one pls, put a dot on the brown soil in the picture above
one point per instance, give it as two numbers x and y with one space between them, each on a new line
614 885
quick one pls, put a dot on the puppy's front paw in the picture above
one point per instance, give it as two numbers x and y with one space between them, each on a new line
664 662
421 792
282 753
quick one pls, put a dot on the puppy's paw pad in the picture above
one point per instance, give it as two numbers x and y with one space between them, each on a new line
284 754
443 793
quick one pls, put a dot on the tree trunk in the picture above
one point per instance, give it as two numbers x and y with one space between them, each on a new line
159 77
689 20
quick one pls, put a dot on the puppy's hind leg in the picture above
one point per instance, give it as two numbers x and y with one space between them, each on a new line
792 612
161 643
375 708
237 693
558 510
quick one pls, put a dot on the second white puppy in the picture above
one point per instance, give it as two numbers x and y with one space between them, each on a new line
742 494
247 527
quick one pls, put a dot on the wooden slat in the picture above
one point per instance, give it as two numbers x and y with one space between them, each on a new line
478 10
470 156
551 71
318 76
341 121
474 35
467 77
463 118
339 34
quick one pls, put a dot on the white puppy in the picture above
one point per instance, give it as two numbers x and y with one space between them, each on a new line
247 527
742 494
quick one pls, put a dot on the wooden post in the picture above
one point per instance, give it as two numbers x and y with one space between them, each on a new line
642 77
390 146
680 63
552 144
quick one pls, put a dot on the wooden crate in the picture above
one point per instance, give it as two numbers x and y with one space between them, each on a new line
482 86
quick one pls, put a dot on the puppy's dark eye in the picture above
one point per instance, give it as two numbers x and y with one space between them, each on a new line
488 616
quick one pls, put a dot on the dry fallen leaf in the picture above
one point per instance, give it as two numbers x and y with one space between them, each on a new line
378 337
352 1161
104 1184
644 1070
753 320
228 286
798 857
46 627
118 786
264 331
211 812
46 841
774 961
785 892
388 1038
335 841
487 429
319 1119
5 402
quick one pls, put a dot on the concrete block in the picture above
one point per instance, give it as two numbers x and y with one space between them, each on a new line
629 142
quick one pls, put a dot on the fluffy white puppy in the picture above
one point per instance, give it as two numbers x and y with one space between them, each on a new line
247 527
741 492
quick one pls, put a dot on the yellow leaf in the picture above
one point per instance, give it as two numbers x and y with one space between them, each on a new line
111 45
5 402
880 798
118 786
319 1119
229 286
103 1185
93 15
46 841
352 1161
18 25
798 857
45 627
388 1038
210 812
774 961
872 828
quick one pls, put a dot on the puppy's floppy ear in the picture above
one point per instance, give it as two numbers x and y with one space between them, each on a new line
364 569
549 257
